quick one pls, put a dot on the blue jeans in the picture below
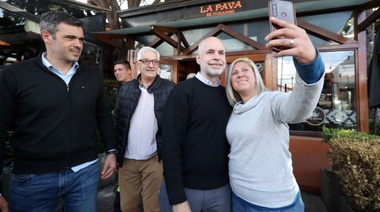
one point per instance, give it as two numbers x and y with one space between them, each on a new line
240 205
43 192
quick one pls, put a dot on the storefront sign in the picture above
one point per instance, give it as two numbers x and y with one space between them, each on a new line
220 9
185 10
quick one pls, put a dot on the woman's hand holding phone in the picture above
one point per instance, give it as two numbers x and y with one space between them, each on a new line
291 40
283 10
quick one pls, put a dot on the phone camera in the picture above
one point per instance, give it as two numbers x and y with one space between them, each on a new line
274 8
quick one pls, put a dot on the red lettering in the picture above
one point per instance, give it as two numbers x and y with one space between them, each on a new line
217 7
231 5
212 10
224 6
238 4
206 10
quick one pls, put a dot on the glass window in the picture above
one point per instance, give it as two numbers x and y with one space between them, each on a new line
339 22
336 106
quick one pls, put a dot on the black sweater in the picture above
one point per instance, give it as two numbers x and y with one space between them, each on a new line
55 124
195 149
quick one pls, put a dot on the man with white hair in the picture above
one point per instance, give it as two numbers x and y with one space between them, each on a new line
138 120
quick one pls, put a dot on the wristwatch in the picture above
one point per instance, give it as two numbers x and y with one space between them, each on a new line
112 151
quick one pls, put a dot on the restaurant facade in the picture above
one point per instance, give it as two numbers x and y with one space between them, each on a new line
341 30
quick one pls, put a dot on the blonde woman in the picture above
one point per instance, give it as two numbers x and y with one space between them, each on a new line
260 165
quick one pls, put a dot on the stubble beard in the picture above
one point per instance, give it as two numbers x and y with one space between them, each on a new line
214 72
65 56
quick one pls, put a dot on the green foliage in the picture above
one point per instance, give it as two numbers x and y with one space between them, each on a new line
355 157
330 133
111 87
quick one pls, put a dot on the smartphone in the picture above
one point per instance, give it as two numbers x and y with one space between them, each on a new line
283 10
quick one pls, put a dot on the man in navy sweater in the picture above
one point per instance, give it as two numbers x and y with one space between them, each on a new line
194 147
57 105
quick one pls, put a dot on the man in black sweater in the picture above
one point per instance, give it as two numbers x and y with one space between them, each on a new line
57 105
195 149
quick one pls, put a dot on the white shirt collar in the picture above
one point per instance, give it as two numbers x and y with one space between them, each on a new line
205 80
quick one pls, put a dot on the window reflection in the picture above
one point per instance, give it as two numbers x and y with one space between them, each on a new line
165 71
336 107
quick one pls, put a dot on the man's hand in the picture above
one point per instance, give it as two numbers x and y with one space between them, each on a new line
3 205
109 166
182 207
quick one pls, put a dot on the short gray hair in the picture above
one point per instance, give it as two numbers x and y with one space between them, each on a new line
146 49
50 20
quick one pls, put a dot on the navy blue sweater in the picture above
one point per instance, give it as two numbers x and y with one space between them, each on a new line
194 146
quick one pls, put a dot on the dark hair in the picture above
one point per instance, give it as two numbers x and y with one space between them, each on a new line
123 62
50 20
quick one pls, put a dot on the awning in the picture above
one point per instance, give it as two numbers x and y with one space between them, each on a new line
165 29
302 7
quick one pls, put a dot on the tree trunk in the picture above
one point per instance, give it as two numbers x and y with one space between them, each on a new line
112 17
133 3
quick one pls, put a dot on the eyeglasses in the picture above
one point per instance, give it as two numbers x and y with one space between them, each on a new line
147 62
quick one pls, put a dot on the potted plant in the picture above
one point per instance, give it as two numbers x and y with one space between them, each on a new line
355 158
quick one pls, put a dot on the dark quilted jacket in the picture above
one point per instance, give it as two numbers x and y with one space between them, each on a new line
126 104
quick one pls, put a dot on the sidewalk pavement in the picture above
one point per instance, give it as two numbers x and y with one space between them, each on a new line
313 202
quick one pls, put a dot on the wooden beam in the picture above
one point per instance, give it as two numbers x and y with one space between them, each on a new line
170 31
361 75
158 41
242 37
369 20
322 33
223 28
341 47
214 32
157 31
179 38
249 52
258 58
368 5
183 39
108 40
270 72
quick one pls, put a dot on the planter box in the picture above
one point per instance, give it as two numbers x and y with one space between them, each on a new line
330 190
309 154
344 207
